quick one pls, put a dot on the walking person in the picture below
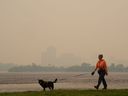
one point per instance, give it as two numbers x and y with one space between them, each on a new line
101 66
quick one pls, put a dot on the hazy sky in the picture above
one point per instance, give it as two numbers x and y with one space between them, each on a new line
82 27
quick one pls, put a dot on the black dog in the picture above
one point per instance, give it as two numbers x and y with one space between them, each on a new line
47 84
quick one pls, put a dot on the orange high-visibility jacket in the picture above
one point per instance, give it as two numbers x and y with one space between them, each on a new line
101 64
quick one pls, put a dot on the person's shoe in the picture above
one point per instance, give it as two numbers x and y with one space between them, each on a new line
96 87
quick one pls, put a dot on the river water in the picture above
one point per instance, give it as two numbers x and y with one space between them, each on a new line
16 82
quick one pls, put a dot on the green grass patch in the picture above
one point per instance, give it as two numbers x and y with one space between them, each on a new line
118 92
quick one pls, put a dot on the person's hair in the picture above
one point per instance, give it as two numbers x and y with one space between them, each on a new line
100 55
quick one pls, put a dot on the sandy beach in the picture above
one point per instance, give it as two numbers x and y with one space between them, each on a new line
16 82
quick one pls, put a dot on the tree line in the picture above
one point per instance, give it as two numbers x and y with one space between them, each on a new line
84 67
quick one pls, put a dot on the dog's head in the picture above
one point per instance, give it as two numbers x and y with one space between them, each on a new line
40 81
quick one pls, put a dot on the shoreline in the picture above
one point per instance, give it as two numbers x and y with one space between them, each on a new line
20 82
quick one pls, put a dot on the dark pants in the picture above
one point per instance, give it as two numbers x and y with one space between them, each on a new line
101 78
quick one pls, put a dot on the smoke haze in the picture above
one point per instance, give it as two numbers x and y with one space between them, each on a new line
84 28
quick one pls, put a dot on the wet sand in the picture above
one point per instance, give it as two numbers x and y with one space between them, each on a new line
17 82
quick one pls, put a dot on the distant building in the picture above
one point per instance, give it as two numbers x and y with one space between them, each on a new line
49 58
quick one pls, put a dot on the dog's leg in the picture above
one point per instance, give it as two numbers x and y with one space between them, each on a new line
52 87
44 88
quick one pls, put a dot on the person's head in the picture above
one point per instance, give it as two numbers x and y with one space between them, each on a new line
100 56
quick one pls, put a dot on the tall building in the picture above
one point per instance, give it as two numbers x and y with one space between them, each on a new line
49 57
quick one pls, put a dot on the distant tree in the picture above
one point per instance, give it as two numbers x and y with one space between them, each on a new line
84 67
112 67
120 67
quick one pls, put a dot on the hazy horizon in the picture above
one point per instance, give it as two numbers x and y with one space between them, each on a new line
84 28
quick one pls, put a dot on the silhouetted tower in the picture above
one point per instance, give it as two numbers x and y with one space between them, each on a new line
49 57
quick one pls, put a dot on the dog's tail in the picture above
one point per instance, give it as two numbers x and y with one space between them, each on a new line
55 80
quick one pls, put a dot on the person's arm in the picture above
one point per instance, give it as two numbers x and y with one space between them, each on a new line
106 69
95 68
94 71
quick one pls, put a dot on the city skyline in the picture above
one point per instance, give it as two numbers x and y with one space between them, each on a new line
53 59
67 59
